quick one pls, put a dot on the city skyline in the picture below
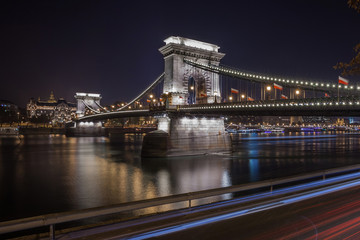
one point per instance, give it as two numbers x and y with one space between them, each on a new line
112 48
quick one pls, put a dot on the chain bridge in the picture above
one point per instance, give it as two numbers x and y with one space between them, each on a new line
193 94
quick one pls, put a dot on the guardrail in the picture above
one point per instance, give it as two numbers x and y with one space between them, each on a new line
51 220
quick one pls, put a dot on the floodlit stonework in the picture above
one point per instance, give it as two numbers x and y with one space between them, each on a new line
87 101
187 84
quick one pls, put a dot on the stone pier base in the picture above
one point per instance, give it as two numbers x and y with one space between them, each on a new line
84 129
180 136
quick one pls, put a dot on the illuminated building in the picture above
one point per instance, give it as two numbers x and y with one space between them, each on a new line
9 112
56 110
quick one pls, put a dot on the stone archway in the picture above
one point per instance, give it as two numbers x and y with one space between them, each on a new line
178 73
197 84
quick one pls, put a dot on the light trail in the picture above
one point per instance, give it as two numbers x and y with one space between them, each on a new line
251 210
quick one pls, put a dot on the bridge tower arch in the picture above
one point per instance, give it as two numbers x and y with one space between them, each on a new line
179 76
87 101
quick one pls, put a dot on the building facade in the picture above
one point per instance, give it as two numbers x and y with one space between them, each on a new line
55 110
9 112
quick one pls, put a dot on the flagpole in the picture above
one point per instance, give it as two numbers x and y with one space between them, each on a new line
338 88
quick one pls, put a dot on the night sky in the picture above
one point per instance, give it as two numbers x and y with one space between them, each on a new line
111 47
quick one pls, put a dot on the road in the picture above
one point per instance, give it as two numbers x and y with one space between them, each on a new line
331 216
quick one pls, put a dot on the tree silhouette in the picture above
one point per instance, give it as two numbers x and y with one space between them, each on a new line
352 67
355 4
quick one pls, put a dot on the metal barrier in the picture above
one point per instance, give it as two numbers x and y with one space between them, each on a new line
51 220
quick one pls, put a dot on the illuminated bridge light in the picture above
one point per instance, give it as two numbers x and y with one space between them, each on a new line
292 81
345 86
337 103
344 103
306 83
357 103
351 87
324 104
301 82
267 78
322 84
316 84
312 104
333 85
328 85
311 84
350 103
330 104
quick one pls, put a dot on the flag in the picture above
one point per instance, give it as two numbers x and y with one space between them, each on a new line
203 95
277 86
283 96
160 99
148 100
327 95
343 81
233 90
180 97
250 99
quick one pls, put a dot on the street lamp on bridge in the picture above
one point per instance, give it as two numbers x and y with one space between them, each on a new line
242 97
268 89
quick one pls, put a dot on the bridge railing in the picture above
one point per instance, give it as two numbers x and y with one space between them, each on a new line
50 220
349 99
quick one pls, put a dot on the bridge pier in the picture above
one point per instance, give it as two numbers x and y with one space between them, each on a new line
85 129
184 135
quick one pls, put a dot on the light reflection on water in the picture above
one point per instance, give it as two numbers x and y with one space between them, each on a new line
44 174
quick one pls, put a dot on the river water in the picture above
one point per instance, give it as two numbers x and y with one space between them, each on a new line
54 173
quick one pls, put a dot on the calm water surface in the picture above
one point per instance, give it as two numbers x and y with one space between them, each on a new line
46 174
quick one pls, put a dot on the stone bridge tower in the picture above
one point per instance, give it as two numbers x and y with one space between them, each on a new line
185 135
87 101
187 84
